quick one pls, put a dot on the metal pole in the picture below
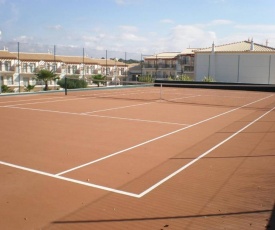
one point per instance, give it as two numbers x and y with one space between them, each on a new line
83 74
65 85
18 65
125 67
140 66
106 67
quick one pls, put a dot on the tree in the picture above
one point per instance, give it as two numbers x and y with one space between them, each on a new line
46 75
97 79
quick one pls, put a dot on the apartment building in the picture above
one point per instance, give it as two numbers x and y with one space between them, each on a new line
18 69
169 64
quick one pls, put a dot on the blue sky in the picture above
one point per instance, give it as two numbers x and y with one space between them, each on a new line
142 26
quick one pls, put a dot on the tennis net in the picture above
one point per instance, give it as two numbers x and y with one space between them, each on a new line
165 92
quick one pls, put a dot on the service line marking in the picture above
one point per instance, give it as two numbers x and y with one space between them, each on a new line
157 138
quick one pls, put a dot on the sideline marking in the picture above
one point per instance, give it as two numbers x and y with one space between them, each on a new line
40 102
201 156
30 99
157 138
69 179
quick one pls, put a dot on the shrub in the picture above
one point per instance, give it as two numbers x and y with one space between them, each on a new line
29 88
6 89
184 78
72 83
98 79
208 79
147 78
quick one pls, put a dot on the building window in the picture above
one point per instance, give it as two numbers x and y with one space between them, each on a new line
87 69
24 68
32 67
7 65
122 71
108 70
10 80
74 69
0 66
69 69
188 68
54 67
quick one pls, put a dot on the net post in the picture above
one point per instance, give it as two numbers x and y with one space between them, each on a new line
160 91
65 85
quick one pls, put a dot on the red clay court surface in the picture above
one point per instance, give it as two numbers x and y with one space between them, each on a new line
198 159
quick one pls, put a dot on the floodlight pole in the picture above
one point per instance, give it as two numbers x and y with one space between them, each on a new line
18 66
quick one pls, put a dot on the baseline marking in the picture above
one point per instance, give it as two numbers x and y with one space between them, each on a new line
69 179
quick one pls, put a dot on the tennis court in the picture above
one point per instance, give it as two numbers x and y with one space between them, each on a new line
138 158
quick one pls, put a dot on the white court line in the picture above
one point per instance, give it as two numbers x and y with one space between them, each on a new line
69 179
30 99
157 138
41 102
121 107
91 115
201 156
134 119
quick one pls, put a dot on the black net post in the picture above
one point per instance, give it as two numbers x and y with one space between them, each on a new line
65 85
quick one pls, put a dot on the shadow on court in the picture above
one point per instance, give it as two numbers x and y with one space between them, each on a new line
271 223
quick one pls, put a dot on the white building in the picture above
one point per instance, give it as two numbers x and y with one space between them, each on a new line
241 62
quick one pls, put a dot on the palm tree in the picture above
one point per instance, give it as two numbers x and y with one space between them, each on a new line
46 75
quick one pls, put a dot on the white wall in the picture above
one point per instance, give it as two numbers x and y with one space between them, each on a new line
243 67
201 66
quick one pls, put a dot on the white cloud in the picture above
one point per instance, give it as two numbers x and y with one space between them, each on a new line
55 27
167 21
219 22
183 36
256 27
131 37
128 28
24 39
